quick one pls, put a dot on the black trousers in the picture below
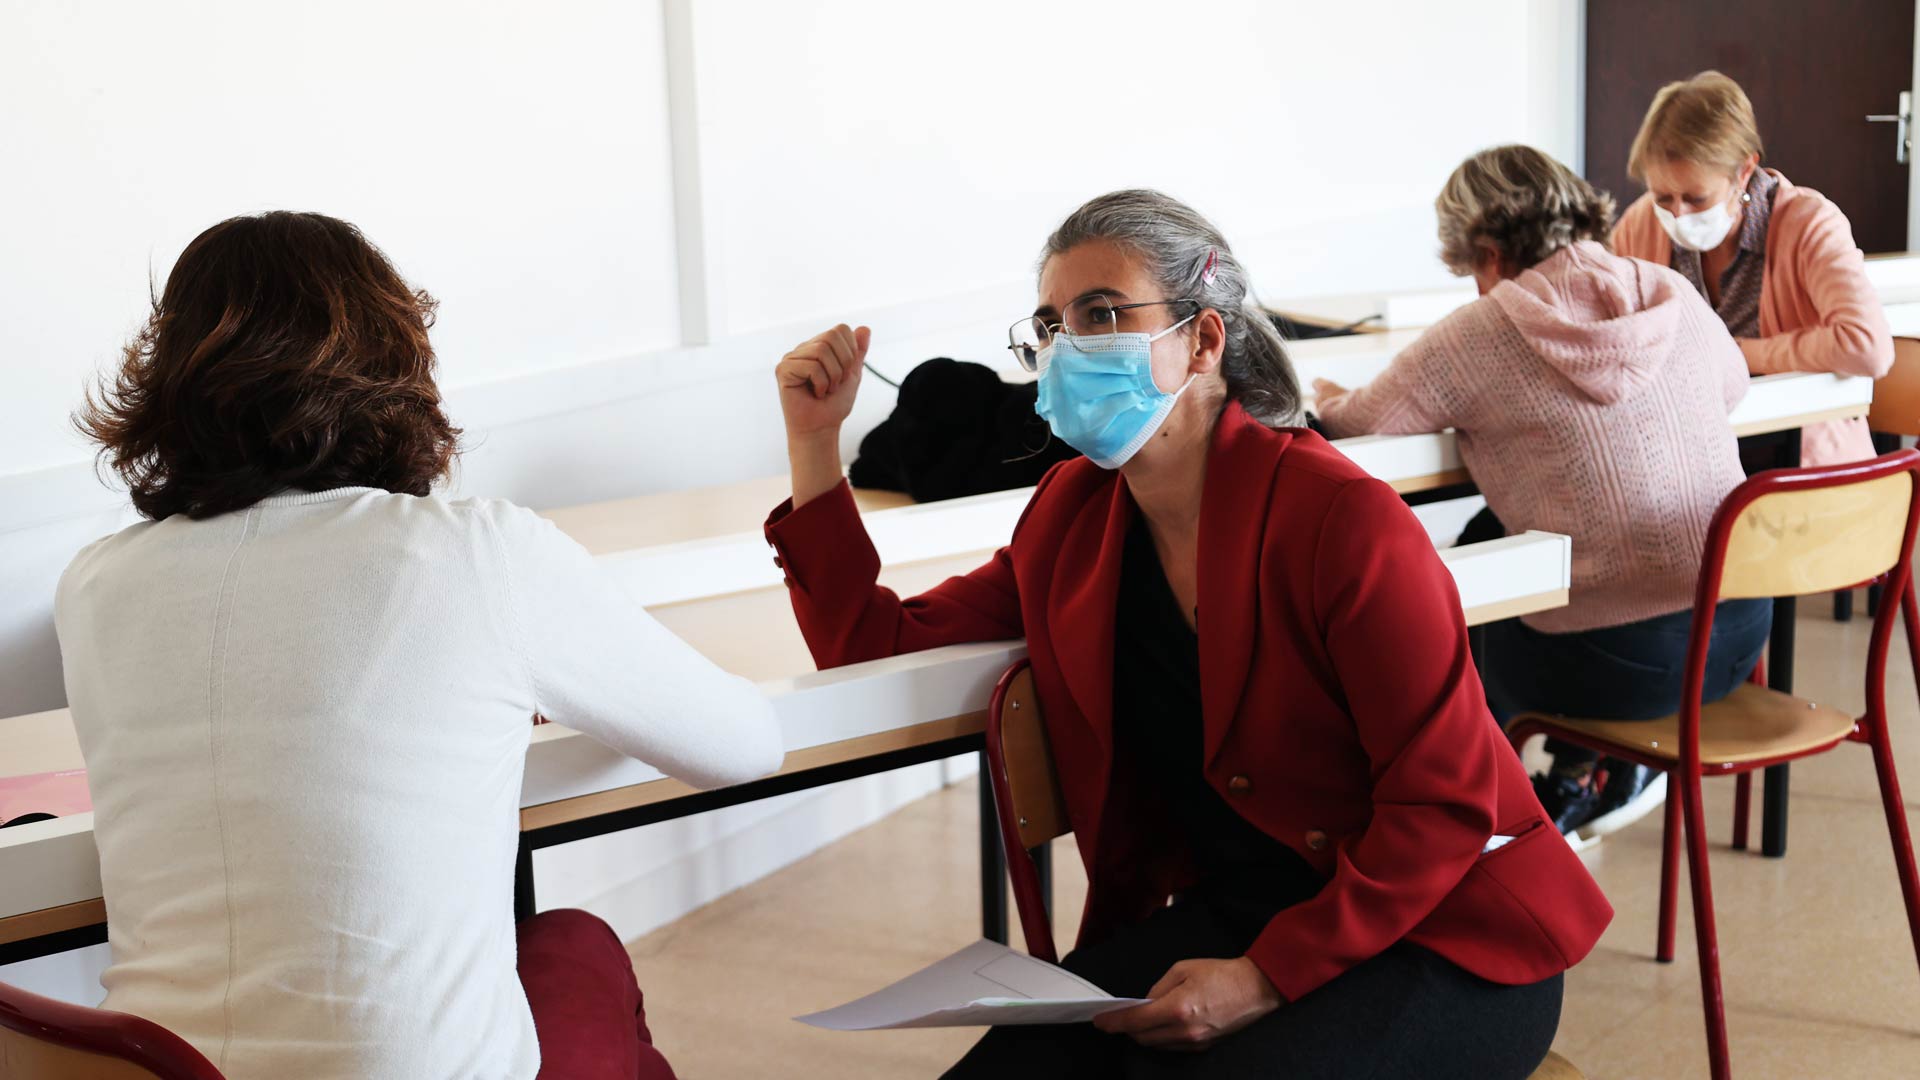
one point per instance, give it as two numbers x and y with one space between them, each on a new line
1404 1013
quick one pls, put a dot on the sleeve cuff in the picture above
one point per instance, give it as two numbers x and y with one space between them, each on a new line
1759 355
823 536
1294 972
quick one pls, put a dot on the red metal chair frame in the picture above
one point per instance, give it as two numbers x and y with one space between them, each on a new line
115 1035
1035 925
1684 797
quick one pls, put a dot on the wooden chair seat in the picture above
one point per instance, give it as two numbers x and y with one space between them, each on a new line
1751 724
1557 1068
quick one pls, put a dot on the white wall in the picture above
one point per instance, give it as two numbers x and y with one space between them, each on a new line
892 163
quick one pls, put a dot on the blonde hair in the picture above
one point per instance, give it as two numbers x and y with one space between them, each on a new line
1705 119
1521 203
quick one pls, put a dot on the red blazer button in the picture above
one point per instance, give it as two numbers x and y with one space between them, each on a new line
1316 840
1239 785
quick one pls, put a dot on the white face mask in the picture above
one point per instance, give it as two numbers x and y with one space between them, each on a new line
1702 231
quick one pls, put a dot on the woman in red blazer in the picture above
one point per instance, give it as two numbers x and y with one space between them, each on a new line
1257 688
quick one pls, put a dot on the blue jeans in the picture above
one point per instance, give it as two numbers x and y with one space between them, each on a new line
1630 672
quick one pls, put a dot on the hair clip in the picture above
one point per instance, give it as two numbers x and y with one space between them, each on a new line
1212 269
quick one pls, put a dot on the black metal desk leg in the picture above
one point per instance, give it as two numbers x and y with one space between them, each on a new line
993 864
523 905
1773 801
1043 867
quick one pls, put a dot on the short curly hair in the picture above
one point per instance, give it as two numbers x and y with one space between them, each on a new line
285 353
1519 203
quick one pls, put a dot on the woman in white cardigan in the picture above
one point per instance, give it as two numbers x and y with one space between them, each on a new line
304 689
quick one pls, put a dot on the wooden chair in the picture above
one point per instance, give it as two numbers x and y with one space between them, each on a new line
1895 413
1896 395
1787 532
1026 793
44 1039
1033 812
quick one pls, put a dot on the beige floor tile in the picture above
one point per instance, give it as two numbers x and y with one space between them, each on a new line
1820 974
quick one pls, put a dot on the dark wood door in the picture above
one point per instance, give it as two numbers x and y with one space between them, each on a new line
1813 70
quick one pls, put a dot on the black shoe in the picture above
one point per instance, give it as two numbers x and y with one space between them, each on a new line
1570 801
1629 793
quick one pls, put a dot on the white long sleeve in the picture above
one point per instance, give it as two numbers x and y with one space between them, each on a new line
305 727
601 665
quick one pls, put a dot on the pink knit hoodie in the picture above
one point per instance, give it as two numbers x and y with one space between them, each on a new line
1591 396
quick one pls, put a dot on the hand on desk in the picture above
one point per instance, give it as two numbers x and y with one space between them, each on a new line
1195 1003
1326 390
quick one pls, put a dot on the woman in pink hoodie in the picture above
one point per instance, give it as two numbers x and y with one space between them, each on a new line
1590 393
1777 262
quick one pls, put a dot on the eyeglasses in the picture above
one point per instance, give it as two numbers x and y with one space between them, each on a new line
1087 317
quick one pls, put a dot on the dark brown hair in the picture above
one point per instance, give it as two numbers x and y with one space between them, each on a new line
285 353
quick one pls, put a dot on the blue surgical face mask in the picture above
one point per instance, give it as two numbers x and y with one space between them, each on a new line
1098 395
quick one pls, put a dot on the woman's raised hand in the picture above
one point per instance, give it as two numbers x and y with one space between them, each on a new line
819 380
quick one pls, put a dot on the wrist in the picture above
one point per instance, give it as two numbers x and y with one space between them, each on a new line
1257 978
814 444
815 461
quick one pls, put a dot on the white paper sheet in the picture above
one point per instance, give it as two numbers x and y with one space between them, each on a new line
985 983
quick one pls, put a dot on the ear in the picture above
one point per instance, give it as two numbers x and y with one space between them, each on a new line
1489 266
1486 258
1745 175
1209 342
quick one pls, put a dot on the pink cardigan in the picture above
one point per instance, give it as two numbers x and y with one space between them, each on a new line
1818 311
1591 396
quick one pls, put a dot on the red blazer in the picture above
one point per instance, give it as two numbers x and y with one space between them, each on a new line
1342 712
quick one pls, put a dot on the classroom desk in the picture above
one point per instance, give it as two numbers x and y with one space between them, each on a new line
841 723
702 568
1377 312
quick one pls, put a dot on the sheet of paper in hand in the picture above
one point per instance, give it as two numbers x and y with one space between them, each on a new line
983 984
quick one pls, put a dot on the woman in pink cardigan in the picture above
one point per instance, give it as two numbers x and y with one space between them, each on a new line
1591 396
1777 262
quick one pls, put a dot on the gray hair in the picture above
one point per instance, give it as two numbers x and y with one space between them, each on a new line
1177 244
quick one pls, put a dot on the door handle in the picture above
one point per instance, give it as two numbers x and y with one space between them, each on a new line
1903 129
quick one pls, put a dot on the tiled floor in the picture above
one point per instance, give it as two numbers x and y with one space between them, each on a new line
1820 973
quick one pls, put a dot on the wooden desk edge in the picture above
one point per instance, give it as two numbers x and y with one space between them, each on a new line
1408 485
53 920
1519 605
595 804
1768 427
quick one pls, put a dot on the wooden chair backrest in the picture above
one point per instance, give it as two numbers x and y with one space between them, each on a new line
22 1056
46 1039
1791 543
1040 810
1896 395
